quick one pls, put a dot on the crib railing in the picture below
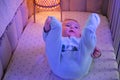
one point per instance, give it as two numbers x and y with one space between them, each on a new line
114 19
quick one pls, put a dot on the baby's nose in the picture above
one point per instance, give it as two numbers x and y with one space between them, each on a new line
71 26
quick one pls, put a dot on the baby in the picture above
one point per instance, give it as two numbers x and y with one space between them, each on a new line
72 28
69 54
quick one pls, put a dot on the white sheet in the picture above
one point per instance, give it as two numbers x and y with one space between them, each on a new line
29 61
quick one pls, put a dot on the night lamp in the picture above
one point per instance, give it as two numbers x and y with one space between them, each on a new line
47 5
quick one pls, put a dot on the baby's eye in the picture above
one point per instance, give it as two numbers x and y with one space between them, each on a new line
76 27
68 25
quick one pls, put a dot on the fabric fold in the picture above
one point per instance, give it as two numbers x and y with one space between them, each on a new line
8 9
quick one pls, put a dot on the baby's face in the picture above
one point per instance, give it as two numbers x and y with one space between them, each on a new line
71 28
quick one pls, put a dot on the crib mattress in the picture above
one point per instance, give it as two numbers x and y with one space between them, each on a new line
29 61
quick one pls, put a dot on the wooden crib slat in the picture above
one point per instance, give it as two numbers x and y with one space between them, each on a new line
118 55
114 18
117 33
119 58
110 11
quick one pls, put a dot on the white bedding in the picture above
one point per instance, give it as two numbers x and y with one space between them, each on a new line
29 61
7 12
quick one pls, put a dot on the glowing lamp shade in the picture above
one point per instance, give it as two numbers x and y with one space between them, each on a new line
47 5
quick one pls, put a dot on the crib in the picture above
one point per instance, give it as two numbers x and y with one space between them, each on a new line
22 49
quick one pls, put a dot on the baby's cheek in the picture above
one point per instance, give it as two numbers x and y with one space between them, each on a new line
78 33
64 33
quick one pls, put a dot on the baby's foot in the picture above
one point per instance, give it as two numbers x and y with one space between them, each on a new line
93 21
96 53
47 26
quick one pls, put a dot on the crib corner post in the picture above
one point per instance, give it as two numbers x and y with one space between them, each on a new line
34 10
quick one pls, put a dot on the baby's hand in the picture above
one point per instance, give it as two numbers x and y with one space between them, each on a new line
47 26
96 53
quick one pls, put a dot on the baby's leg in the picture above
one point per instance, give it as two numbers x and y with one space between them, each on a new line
53 42
88 41
88 38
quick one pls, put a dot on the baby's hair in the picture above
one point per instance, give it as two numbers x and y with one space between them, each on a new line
69 20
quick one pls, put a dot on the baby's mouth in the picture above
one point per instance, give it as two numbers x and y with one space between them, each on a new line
71 31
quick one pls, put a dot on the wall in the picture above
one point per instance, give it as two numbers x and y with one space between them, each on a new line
78 5
99 6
